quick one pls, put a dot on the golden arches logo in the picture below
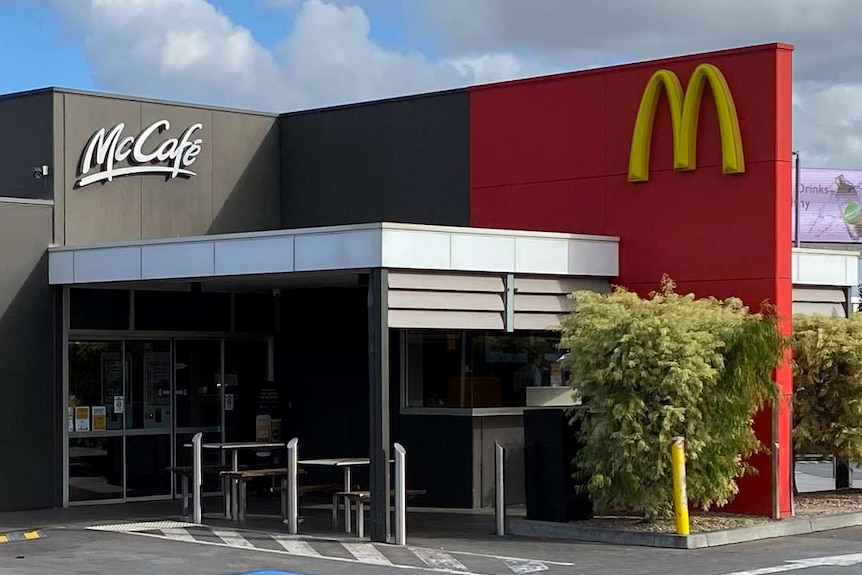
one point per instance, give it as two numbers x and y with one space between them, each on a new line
685 110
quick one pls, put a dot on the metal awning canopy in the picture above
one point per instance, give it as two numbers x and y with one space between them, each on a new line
337 248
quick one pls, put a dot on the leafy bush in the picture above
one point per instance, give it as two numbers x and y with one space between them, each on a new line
827 376
650 369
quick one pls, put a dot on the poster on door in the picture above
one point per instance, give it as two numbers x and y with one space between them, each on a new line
100 414
82 418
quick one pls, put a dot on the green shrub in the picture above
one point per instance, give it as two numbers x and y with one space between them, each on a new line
827 377
654 368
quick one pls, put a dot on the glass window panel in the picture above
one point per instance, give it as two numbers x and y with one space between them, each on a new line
434 368
98 309
477 369
96 468
182 311
254 313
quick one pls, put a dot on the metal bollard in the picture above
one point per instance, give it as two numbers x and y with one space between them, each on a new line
776 490
292 490
400 495
500 487
680 496
197 477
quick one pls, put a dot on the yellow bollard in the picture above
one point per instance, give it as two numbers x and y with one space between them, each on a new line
680 498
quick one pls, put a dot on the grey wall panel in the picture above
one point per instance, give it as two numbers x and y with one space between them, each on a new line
106 211
245 173
235 189
181 206
403 160
58 166
28 413
509 431
25 122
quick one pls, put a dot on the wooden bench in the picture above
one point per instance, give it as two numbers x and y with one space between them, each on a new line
243 477
184 472
363 498
301 490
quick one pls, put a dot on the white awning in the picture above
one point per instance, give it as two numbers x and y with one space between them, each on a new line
379 245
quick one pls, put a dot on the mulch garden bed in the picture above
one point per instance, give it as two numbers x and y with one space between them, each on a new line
698 523
807 505
829 503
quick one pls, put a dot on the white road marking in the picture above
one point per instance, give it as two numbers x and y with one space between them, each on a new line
769 570
232 538
798 564
367 553
179 535
504 557
523 567
438 559
296 547
322 557
145 526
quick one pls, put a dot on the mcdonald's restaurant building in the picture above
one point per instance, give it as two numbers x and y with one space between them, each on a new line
391 271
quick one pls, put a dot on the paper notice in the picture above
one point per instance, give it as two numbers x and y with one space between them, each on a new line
100 418
82 418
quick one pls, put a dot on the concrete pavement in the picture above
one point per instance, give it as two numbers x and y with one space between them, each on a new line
438 543
80 550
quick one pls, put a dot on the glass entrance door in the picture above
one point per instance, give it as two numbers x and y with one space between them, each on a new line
95 422
149 418
245 376
198 400
130 419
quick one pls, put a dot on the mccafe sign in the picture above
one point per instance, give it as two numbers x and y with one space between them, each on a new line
110 153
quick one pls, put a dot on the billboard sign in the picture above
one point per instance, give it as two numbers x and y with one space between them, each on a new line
830 205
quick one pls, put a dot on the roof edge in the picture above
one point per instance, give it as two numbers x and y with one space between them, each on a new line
139 99
775 46
337 229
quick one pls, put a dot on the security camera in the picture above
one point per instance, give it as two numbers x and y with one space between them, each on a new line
40 171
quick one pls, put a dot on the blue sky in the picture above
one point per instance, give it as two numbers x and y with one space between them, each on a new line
35 54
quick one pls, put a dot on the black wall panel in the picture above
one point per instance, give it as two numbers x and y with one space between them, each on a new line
404 160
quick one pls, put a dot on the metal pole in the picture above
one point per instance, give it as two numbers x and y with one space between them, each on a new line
400 495
776 500
378 379
292 489
500 487
680 495
197 477
796 201
776 460
792 456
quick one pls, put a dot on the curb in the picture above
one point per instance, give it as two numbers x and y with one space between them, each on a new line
13 536
783 528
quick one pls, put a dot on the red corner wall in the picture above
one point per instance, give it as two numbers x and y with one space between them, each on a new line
552 153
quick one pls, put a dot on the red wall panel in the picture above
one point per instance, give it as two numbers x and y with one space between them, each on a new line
552 154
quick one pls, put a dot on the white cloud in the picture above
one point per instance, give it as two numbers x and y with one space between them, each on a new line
187 49
827 60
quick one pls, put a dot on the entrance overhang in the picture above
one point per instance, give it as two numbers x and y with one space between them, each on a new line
337 248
